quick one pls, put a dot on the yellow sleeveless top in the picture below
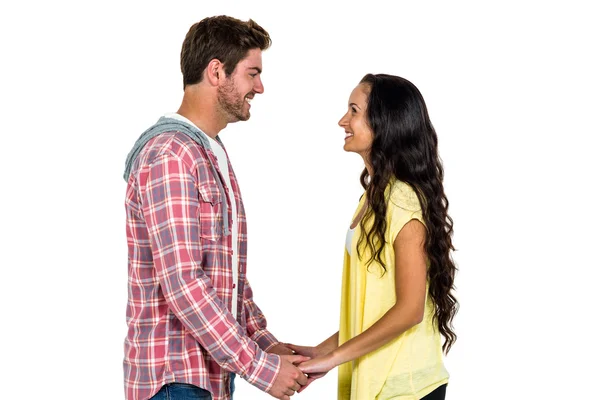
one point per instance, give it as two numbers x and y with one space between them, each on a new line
410 366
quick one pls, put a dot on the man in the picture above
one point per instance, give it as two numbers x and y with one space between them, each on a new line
192 321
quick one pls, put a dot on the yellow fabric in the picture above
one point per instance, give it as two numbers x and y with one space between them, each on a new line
410 366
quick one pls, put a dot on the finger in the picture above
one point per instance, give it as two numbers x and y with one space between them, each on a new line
285 351
311 379
308 382
307 369
292 346
297 349
289 392
302 379
295 359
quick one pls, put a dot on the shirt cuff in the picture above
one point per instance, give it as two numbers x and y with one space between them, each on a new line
265 368
264 339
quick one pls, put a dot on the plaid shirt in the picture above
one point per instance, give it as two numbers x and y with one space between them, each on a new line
180 278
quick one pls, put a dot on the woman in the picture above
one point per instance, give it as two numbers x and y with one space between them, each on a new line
398 272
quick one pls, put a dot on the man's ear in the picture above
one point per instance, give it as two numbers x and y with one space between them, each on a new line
214 72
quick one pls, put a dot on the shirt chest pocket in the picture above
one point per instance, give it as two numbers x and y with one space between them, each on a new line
210 212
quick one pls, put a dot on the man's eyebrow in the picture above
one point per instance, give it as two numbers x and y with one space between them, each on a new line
257 69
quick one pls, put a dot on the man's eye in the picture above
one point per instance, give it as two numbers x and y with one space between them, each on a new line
253 75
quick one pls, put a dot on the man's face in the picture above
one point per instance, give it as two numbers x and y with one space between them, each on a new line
240 87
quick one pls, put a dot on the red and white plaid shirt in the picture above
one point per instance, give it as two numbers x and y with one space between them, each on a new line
180 278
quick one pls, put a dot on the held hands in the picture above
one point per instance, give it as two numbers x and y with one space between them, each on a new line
313 361
318 366
290 379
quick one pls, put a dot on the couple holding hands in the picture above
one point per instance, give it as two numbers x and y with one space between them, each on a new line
192 322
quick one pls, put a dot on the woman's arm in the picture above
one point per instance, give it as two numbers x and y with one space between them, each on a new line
411 281
330 344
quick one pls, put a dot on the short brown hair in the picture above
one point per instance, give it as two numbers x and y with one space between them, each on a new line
225 38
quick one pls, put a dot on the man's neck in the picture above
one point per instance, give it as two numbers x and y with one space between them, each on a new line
202 112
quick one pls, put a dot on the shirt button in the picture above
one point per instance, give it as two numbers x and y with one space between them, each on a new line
234 285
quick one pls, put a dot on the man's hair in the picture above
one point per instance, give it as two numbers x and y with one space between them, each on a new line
225 38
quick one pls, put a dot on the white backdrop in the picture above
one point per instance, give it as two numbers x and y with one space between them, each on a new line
512 89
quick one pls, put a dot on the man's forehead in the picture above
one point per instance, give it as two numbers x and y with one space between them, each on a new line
253 59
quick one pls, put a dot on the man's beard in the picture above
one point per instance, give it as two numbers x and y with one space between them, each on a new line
231 102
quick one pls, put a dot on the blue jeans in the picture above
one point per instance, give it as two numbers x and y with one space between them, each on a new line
185 391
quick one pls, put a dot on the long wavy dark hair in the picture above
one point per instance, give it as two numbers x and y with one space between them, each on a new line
405 147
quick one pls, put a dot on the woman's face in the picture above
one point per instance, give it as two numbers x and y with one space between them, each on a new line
359 136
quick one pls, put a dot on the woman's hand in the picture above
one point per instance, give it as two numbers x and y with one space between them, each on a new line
317 368
308 351
319 365
281 349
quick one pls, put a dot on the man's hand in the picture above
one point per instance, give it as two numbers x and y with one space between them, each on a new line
289 379
282 350
312 352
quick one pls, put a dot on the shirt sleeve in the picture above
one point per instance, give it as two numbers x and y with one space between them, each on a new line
171 206
256 323
402 207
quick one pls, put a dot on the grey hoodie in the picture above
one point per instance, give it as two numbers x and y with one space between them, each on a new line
165 124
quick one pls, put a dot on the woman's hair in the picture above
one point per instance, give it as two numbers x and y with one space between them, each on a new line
405 147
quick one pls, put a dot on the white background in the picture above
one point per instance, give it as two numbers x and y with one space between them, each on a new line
512 89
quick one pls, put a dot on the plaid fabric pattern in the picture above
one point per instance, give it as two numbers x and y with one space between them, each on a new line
180 284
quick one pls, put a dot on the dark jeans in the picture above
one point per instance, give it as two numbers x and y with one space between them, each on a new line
437 394
184 391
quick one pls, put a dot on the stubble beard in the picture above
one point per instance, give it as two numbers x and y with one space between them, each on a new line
232 103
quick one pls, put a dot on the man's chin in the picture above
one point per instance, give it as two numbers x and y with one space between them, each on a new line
241 118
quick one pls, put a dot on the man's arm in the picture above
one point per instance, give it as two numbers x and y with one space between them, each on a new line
256 323
171 206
